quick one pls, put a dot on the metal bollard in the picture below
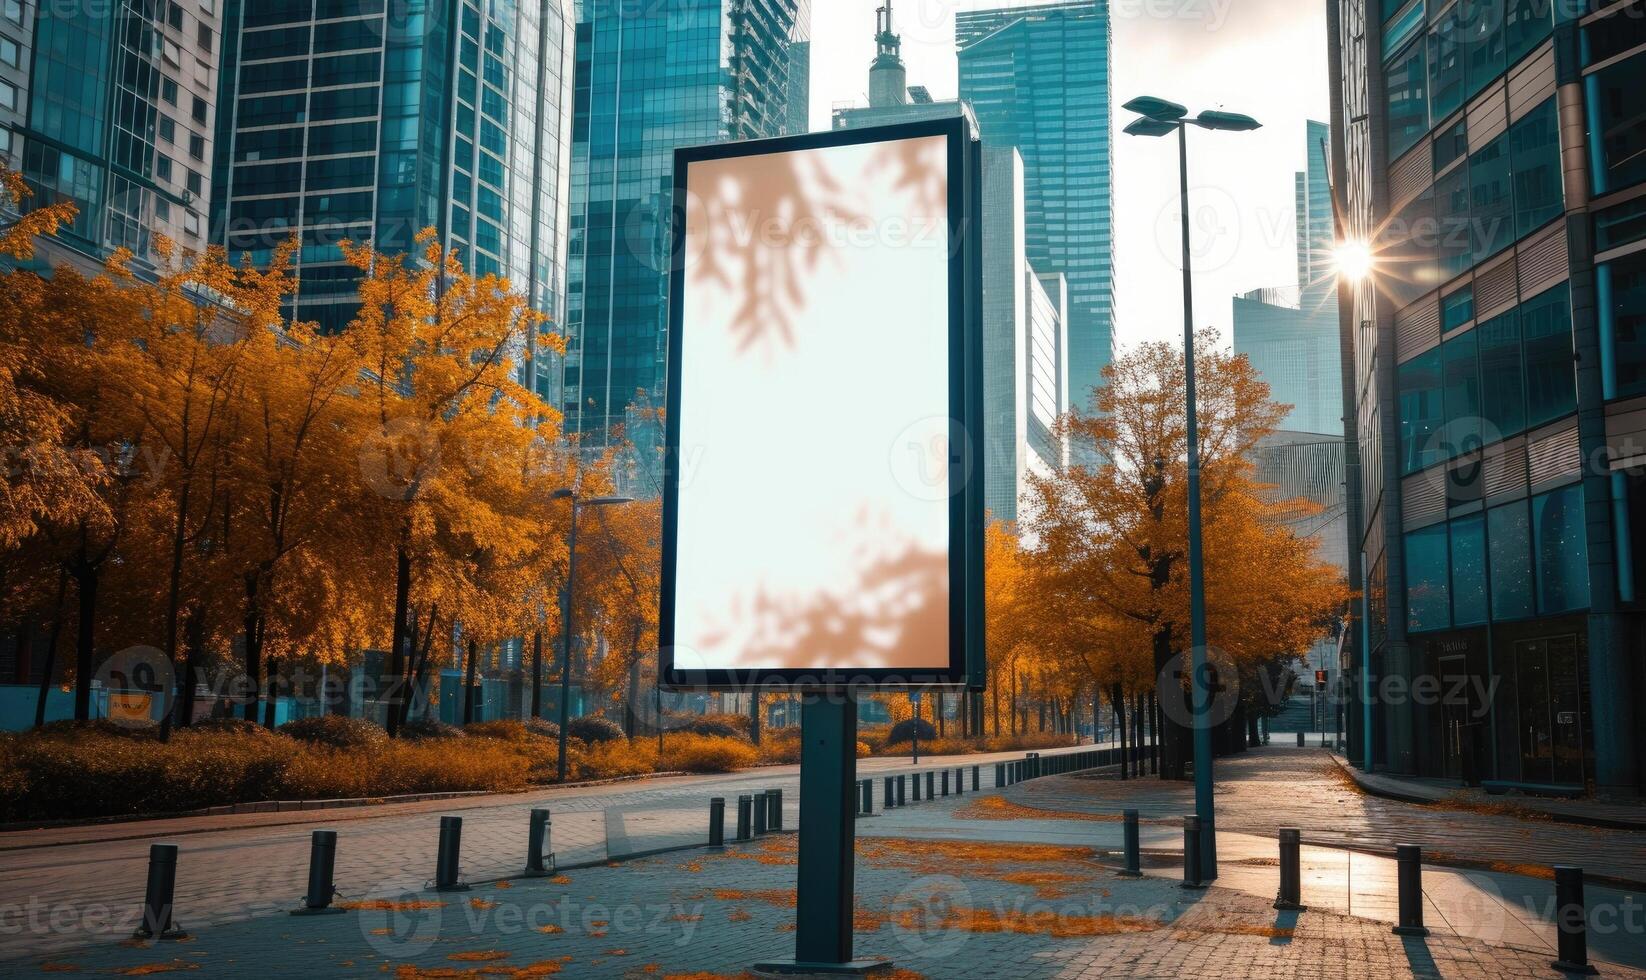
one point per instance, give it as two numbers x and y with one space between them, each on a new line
999 774
1300 740
917 787
1290 898
1409 871
322 859
868 797
902 787
975 777
891 793
931 784
944 783
447 859
1191 853
1571 921
537 845
774 817
1133 853
959 780
717 823
157 895
762 813
745 805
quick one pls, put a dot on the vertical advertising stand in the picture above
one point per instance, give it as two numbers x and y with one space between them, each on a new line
823 491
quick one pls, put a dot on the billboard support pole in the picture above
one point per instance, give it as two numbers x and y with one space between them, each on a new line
828 774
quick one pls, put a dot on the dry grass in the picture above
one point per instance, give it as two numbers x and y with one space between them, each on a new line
1000 808
707 753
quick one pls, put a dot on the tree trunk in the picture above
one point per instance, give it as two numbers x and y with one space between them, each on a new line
1154 730
86 578
398 639
51 649
471 669
1119 702
174 588
193 639
537 674
754 717
253 653
420 644
631 716
272 695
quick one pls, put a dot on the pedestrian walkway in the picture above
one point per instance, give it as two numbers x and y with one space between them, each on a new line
74 885
1446 792
974 909
1492 906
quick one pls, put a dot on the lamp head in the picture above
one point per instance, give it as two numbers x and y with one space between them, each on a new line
1230 121
1150 127
1158 109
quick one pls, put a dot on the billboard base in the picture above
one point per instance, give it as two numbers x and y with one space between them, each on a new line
828 818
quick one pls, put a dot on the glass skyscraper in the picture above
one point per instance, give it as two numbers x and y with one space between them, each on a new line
1290 334
650 78
110 106
354 121
1037 78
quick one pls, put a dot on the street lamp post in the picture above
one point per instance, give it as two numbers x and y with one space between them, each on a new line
1162 118
578 503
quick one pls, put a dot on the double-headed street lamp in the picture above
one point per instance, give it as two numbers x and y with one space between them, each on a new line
578 503
1162 118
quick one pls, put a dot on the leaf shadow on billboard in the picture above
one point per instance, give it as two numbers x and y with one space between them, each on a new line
774 224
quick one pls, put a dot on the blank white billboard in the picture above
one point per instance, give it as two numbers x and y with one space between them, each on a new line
811 517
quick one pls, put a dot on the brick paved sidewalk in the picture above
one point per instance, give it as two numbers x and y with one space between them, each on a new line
937 909
1416 789
245 865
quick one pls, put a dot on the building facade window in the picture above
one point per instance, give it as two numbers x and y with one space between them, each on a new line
1562 551
1617 123
1508 533
1502 384
1460 362
1551 377
1408 84
1534 145
1428 588
1421 414
1621 288
1468 562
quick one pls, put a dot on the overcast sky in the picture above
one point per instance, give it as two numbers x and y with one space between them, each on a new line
1266 58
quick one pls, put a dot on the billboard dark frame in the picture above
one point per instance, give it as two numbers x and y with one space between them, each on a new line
966 668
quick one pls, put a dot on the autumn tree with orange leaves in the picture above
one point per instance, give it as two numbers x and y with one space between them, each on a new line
1109 562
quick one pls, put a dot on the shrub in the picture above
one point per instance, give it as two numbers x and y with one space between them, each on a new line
593 728
686 752
69 728
336 731
723 725
419 729
504 730
904 731
780 746
229 726
615 758
543 727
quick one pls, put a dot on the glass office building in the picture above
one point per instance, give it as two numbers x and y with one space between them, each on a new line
111 106
1490 153
650 78
350 119
1037 77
